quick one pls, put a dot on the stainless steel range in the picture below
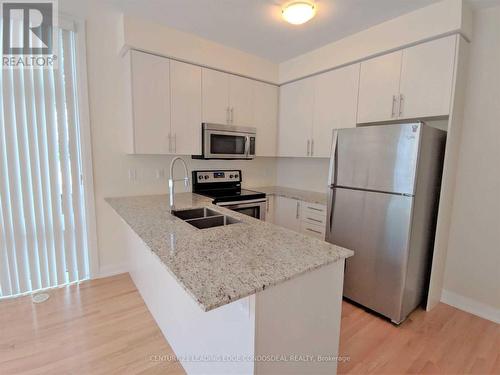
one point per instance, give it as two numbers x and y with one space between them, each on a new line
224 186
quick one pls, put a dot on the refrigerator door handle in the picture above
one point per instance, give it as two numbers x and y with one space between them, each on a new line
329 217
333 159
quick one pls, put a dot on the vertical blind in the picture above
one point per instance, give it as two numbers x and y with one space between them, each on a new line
43 236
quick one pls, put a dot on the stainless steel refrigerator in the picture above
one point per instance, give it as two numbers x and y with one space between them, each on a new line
384 185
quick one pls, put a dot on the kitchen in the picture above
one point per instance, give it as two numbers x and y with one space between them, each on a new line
175 93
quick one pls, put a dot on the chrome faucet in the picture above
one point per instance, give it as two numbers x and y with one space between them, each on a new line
171 181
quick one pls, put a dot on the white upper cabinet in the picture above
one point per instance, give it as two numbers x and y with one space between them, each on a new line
241 101
416 82
185 88
427 79
335 104
295 119
151 103
215 97
266 118
379 88
311 108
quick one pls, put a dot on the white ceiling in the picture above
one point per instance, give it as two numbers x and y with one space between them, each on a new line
255 26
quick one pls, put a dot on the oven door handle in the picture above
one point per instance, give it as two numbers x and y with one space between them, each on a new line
239 203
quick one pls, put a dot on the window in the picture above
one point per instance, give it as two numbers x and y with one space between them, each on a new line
43 225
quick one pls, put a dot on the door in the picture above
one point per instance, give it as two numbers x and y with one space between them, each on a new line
215 96
185 87
266 118
427 78
151 103
381 158
241 101
376 227
295 122
335 103
287 213
379 88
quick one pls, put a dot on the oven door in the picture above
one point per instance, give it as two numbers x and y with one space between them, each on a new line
255 208
223 144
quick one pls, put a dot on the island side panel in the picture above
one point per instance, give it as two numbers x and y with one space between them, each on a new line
190 331
300 318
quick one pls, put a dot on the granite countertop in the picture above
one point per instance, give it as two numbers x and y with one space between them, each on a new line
219 265
302 195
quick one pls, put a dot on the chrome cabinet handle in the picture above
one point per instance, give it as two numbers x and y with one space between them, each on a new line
401 102
314 231
316 220
297 216
169 142
394 102
312 147
175 143
315 209
308 147
227 115
232 115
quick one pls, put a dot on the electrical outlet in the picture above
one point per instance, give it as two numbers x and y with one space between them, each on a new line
160 174
132 175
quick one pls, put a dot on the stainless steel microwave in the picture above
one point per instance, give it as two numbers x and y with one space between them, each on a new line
228 141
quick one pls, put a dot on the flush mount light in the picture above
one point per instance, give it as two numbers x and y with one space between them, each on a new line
298 12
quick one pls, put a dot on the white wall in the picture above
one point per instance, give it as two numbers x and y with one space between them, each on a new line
303 173
109 111
146 35
443 18
472 277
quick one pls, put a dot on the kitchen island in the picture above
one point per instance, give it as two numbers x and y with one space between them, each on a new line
245 298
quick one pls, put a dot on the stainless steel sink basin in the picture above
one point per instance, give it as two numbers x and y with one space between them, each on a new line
204 218
195 213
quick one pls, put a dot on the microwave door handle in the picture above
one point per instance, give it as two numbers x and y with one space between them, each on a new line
247 146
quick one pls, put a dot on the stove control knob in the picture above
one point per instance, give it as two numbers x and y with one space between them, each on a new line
200 177
231 176
206 177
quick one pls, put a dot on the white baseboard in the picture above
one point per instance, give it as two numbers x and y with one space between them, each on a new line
111 270
469 305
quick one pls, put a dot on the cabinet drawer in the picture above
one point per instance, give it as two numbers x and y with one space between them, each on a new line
317 231
313 208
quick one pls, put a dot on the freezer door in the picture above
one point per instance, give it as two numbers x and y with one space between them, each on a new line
376 227
380 158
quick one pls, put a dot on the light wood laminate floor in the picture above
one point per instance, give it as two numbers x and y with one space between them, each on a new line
103 327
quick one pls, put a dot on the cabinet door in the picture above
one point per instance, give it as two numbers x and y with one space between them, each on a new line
427 78
185 91
378 86
151 103
335 106
270 209
287 213
241 101
215 96
295 120
266 118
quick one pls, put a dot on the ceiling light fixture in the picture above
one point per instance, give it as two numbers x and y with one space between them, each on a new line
298 12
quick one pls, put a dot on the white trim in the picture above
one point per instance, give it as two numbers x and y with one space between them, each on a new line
469 305
112 270
86 144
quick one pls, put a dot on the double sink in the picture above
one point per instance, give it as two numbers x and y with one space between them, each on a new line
204 218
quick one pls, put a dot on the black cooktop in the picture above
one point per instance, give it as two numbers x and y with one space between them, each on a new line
223 186
229 195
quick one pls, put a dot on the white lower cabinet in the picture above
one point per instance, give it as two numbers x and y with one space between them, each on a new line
270 209
287 213
303 217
